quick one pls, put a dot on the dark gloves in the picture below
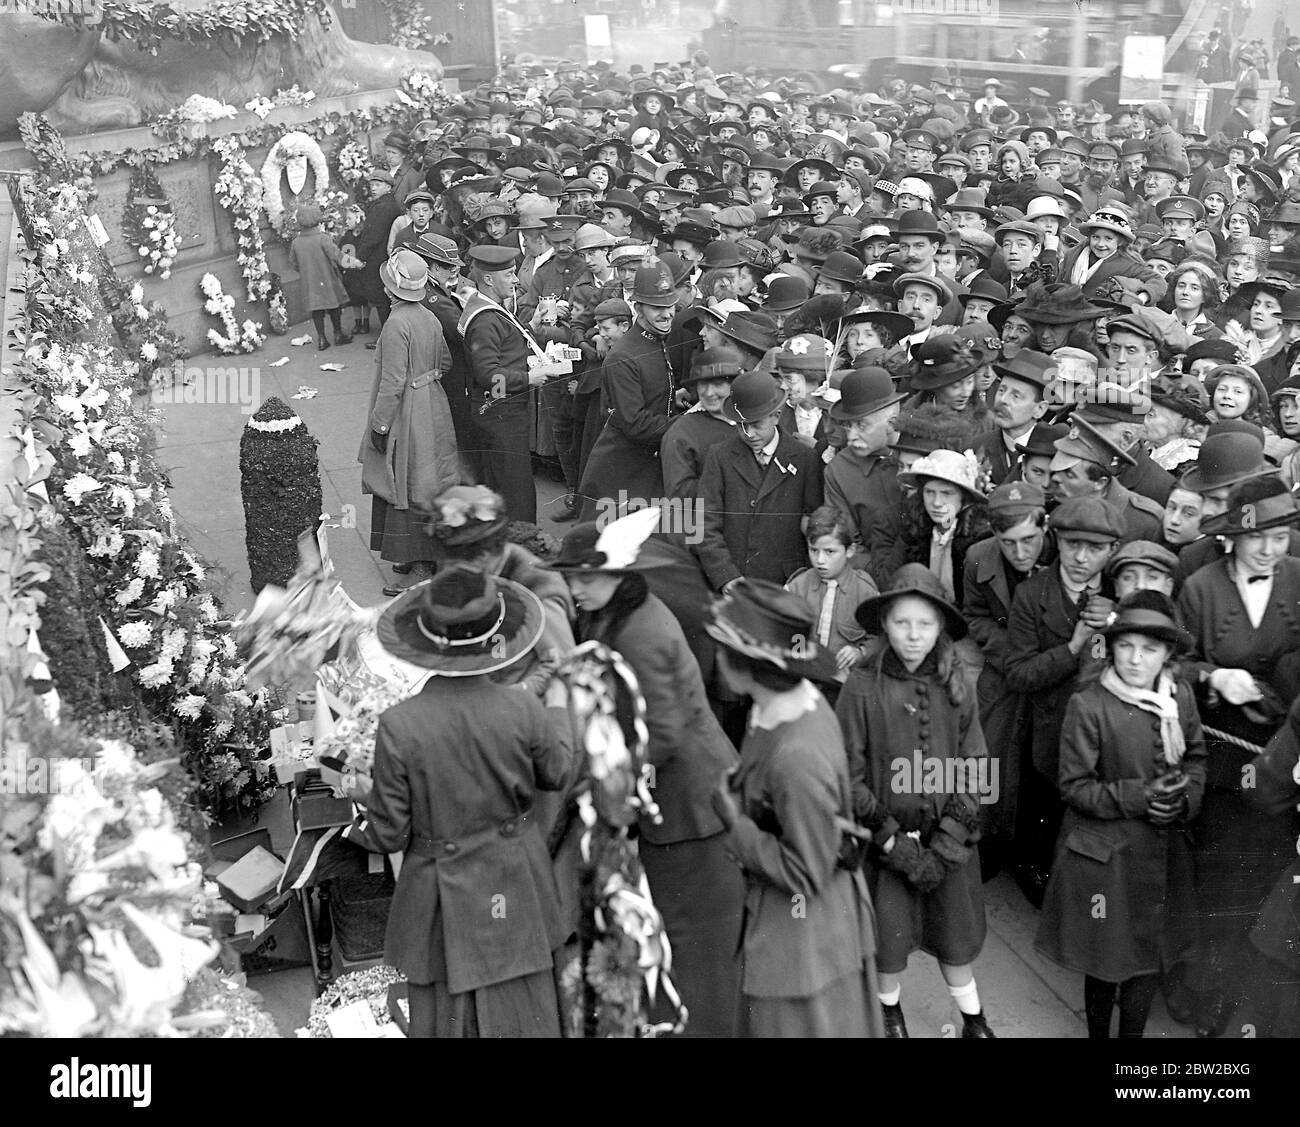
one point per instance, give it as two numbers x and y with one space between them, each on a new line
950 851
923 869
1167 799
379 441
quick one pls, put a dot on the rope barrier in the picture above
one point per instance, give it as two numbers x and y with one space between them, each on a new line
1236 741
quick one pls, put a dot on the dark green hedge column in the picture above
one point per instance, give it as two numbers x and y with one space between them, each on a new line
280 479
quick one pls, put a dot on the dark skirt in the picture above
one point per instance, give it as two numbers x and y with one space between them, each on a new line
396 534
519 1007
847 1007
700 893
947 923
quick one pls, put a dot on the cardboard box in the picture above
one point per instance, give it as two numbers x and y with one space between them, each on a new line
251 880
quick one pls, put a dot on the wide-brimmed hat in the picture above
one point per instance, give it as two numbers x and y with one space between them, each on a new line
754 330
1255 506
462 623
1185 396
805 352
754 396
1152 614
767 623
1225 459
912 579
1059 303
944 360
612 548
405 274
898 325
1109 219
864 391
961 470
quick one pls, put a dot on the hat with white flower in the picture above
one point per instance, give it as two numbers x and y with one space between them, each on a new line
462 518
806 352
961 470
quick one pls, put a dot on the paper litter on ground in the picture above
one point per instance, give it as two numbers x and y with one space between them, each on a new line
300 341
332 367
279 363
305 392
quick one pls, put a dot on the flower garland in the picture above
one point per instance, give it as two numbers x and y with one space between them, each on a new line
293 145
239 191
148 223
151 26
237 338
410 27
262 106
197 110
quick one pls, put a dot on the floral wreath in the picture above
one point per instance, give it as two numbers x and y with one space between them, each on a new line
149 224
294 144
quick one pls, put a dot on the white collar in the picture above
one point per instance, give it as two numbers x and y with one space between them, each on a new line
784 707
770 448
548 253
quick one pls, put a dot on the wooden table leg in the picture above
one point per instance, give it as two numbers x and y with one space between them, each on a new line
324 938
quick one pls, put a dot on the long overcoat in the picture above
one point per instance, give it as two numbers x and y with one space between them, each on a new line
1121 899
408 404
457 771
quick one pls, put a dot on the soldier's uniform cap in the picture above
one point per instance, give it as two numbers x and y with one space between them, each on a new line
1017 497
490 259
1084 443
561 227
1088 518
1143 552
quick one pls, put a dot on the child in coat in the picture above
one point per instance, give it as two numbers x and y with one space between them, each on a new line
1132 775
316 257
920 772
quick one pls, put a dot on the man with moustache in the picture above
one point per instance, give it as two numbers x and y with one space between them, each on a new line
1019 403
1097 187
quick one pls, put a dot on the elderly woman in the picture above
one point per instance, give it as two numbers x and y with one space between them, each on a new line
1176 422
695 885
1194 294
458 770
807 971
1241 612
1132 774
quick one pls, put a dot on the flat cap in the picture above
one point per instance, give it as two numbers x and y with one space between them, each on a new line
1089 518
1143 552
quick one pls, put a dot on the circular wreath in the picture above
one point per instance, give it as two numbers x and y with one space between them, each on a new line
294 144
370 985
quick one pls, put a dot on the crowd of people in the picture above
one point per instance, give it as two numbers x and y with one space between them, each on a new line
972 427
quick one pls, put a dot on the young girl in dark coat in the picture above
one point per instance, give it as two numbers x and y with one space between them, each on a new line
1121 900
316 257
918 767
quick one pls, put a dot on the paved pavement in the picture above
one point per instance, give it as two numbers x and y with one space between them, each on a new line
1024 995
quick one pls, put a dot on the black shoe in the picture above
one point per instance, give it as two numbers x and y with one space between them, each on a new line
361 328
322 344
343 338
372 345
569 511
974 1025
895 1026
403 569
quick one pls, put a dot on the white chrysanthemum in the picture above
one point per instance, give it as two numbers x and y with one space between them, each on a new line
123 498
135 635
137 293
130 593
147 563
78 486
164 601
157 675
190 706
149 351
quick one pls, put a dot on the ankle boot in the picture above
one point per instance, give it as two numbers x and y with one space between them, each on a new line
974 1025
895 1026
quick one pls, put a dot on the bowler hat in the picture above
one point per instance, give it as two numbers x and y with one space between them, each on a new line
785 294
766 623
1042 440
1029 367
919 223
1225 460
864 391
754 396
714 364
842 266
916 580
462 623
985 288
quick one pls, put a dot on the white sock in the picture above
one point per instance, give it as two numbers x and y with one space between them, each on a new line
967 997
890 997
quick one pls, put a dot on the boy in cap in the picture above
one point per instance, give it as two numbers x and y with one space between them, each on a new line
1142 565
1054 617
